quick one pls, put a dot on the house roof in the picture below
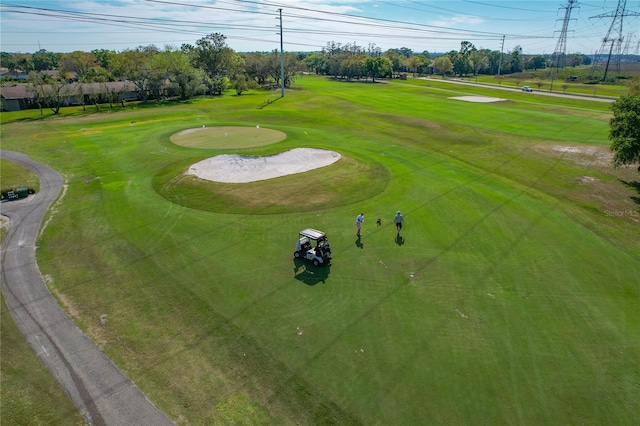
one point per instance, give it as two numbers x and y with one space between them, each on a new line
15 91
21 91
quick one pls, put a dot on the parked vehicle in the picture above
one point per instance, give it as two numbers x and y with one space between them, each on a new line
313 245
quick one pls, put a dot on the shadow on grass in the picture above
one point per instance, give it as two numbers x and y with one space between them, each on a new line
635 185
269 102
399 239
305 272
359 243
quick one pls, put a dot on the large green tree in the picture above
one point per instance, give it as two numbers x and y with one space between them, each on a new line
479 60
78 62
291 67
535 62
257 67
378 67
624 132
443 65
45 60
134 65
174 72
515 60
417 63
354 66
396 60
24 62
212 54
8 61
317 62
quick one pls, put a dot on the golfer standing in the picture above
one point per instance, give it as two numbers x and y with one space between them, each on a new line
359 221
398 220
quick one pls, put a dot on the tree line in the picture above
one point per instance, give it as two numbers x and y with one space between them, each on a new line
350 61
210 66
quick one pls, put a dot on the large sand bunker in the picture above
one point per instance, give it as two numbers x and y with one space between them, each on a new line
242 169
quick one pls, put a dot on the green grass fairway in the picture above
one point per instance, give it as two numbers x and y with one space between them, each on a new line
510 298
13 175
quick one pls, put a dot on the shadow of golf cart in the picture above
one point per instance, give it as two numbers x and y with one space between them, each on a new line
308 274
313 245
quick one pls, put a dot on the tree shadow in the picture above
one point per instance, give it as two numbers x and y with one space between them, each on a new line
399 239
305 272
634 185
359 243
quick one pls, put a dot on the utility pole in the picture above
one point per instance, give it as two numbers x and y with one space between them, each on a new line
281 58
500 60
610 42
560 54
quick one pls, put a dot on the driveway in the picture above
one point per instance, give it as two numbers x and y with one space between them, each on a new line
102 393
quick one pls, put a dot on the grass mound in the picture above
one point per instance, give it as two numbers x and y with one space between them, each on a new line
347 181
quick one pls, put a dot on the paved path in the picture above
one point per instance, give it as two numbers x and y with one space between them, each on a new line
102 392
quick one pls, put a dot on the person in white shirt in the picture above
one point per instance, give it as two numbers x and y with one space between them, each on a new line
398 220
359 221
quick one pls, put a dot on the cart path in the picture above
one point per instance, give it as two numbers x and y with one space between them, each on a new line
102 393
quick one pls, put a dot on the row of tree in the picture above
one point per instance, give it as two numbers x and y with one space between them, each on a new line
210 66
352 61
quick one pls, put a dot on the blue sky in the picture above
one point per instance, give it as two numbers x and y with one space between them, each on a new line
252 25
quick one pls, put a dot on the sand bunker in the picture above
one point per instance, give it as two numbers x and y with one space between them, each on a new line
482 99
242 169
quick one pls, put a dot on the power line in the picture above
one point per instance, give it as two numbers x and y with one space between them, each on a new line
393 29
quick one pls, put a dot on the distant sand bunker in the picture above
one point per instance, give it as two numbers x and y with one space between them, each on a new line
242 169
482 99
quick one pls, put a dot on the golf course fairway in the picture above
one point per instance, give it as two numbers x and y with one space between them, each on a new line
510 296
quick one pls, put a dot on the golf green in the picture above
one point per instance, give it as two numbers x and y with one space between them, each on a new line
221 137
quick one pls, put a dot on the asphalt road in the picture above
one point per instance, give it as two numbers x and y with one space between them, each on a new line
102 393
519 89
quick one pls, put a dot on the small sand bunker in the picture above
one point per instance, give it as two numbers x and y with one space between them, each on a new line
584 154
242 169
481 99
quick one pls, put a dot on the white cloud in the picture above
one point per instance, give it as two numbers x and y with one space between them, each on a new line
459 22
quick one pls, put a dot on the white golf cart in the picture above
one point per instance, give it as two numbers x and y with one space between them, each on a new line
313 245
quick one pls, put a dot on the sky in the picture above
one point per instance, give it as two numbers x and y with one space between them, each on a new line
27 26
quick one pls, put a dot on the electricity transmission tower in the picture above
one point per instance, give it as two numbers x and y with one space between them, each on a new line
613 40
559 56
627 43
